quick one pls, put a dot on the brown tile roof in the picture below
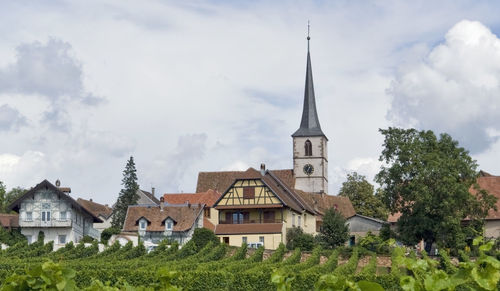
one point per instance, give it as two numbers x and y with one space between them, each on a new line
9 220
248 228
321 202
220 181
394 217
208 224
183 215
96 208
491 184
208 198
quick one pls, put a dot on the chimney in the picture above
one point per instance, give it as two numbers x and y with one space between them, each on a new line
153 191
162 202
90 200
262 169
58 183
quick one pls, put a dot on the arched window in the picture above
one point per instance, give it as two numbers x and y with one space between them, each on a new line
308 148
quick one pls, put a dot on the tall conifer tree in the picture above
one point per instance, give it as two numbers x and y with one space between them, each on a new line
128 195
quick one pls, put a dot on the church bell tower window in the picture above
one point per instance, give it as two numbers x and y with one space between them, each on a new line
308 148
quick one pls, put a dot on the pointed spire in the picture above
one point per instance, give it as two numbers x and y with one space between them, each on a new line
309 126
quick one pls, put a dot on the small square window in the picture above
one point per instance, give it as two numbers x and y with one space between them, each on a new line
143 225
299 218
261 239
206 212
62 239
169 225
62 215
293 219
245 239
29 216
248 193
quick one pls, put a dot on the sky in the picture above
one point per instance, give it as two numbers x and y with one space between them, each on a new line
190 86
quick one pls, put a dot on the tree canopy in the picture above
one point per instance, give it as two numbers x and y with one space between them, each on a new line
128 195
334 230
427 179
361 194
6 198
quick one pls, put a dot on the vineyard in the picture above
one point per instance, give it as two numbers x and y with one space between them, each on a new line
219 267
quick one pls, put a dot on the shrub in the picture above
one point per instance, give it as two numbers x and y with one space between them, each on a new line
334 231
296 238
107 233
202 236
87 239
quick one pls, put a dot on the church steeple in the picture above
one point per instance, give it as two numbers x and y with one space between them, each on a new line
310 149
309 126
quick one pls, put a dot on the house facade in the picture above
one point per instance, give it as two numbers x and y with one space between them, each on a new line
45 208
154 223
104 212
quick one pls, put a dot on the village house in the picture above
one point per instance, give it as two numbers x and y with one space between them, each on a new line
207 198
104 212
154 223
51 210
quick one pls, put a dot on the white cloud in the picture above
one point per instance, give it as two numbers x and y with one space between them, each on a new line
455 88
11 118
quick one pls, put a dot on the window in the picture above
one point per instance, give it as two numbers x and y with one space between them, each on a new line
269 217
305 219
225 240
28 238
245 239
308 148
169 224
237 217
142 224
62 215
299 220
206 212
293 219
261 239
46 212
248 193
29 216
62 239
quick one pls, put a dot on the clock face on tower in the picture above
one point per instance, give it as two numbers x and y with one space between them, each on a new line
308 169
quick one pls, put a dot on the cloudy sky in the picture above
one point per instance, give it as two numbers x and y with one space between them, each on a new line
189 86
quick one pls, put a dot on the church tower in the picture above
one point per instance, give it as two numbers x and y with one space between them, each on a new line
310 152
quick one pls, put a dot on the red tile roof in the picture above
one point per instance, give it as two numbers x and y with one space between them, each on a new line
96 208
208 198
491 184
322 202
207 224
183 215
248 228
9 220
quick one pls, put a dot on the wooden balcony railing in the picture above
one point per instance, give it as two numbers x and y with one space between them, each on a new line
250 221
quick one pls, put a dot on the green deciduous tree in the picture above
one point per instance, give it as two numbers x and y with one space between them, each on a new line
296 238
427 179
6 198
361 194
128 195
334 231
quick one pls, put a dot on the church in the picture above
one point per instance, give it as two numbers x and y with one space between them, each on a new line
258 206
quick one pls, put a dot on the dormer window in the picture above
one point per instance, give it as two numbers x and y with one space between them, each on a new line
143 224
308 148
169 225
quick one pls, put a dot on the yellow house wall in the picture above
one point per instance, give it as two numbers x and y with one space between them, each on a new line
492 228
214 216
260 190
309 225
271 241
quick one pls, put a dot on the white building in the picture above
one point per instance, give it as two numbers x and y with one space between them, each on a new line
46 208
104 212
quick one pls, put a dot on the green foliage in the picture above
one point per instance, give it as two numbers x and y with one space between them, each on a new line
6 198
334 231
128 194
107 233
11 237
203 236
361 194
87 239
427 179
296 238
48 276
282 281
278 254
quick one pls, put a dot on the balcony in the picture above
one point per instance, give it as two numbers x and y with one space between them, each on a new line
39 223
92 232
250 221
